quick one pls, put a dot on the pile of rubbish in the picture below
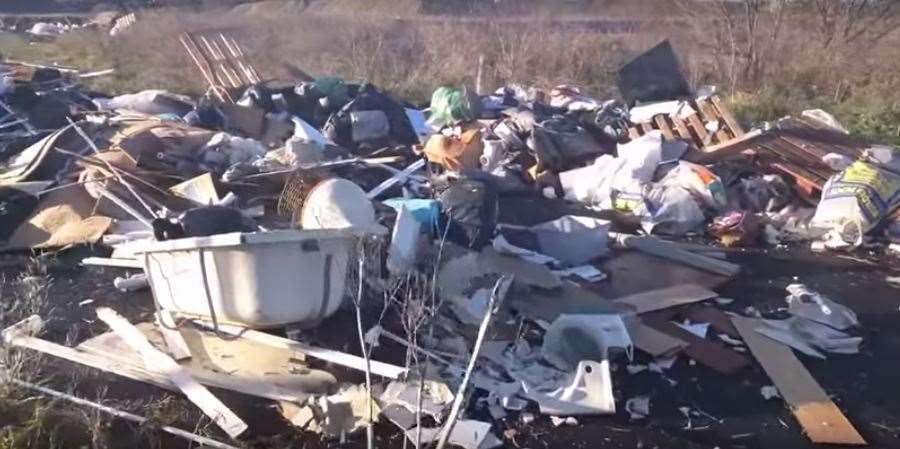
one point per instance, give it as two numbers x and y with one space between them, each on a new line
500 250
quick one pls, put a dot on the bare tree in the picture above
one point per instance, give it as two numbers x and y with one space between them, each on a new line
745 33
849 21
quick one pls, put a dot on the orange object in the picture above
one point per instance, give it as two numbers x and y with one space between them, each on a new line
455 152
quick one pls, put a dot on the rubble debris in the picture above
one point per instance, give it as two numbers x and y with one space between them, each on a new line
468 434
243 210
769 392
638 407
568 420
435 398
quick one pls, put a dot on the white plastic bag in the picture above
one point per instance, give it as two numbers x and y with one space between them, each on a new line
706 187
636 164
670 210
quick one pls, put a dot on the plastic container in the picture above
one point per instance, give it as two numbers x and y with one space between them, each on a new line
259 280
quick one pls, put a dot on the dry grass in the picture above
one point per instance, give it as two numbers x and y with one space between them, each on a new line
27 421
393 46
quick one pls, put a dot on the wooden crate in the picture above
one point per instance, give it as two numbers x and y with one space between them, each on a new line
693 128
222 62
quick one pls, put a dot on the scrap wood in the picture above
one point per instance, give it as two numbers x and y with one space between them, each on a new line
113 262
710 353
717 319
251 368
666 250
663 298
632 272
652 341
197 393
820 418
168 327
329 355
20 335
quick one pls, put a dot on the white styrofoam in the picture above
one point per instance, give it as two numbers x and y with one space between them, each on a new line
259 280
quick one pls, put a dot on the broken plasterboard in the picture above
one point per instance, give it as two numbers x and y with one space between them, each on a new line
467 433
820 418
238 365
200 190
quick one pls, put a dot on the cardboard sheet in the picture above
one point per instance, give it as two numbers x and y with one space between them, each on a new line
63 217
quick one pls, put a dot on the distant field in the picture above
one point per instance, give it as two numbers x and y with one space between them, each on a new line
791 67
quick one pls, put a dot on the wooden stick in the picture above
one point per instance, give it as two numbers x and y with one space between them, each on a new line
357 303
494 301
197 393
113 170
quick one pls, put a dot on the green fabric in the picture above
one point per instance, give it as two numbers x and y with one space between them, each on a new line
450 106
334 89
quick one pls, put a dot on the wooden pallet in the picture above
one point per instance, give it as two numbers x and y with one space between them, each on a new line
693 128
222 62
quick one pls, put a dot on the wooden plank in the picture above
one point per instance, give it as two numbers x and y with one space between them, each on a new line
820 418
667 250
652 341
709 353
725 113
681 128
664 127
117 263
717 319
229 422
722 151
178 348
251 368
647 127
340 358
634 272
699 130
664 298
20 335
633 133
708 112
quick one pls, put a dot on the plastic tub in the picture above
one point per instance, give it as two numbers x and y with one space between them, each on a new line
259 280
